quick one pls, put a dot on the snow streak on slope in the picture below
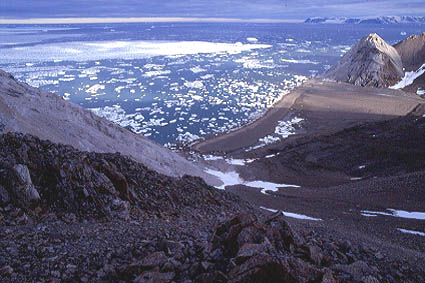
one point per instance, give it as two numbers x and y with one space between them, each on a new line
409 78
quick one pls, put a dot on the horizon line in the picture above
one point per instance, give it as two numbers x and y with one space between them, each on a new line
95 20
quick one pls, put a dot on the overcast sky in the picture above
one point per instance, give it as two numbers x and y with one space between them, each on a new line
247 9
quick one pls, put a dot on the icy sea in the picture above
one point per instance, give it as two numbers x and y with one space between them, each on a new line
176 82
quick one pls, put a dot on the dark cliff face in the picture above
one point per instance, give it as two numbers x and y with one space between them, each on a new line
412 52
371 62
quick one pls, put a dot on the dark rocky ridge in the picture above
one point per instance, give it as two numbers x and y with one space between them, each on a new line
94 185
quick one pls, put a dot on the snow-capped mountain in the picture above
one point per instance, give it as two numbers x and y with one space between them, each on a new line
377 20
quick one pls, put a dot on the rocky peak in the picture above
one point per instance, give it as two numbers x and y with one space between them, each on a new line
412 51
371 62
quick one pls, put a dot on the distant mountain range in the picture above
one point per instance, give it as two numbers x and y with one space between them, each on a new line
378 20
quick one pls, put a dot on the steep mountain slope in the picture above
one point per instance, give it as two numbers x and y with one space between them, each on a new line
371 62
29 110
412 52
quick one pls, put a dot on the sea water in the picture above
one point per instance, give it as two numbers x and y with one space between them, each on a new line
177 82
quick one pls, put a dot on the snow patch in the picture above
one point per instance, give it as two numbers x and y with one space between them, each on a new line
411 232
397 213
409 78
232 178
292 215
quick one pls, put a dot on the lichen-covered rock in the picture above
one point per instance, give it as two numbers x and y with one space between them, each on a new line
24 187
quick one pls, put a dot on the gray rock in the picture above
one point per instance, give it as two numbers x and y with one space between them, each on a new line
357 270
121 208
6 270
154 277
4 195
25 189
315 254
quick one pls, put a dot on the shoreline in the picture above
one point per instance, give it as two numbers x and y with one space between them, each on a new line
270 114
325 105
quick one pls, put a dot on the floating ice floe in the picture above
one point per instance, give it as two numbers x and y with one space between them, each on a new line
105 50
294 61
197 69
187 138
151 74
207 76
194 84
411 232
251 63
66 96
409 78
95 88
292 215
252 39
118 115
232 178
396 213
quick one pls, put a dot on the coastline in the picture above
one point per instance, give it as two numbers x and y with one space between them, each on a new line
326 106
269 117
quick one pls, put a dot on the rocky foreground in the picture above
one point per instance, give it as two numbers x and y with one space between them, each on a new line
68 215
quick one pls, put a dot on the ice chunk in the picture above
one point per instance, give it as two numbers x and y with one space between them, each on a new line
252 39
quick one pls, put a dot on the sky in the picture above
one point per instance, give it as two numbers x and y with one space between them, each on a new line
242 9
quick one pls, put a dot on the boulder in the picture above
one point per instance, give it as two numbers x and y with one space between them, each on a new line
24 188
259 268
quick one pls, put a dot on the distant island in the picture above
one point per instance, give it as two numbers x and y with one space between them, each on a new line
377 20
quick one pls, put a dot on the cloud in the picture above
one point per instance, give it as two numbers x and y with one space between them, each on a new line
209 8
